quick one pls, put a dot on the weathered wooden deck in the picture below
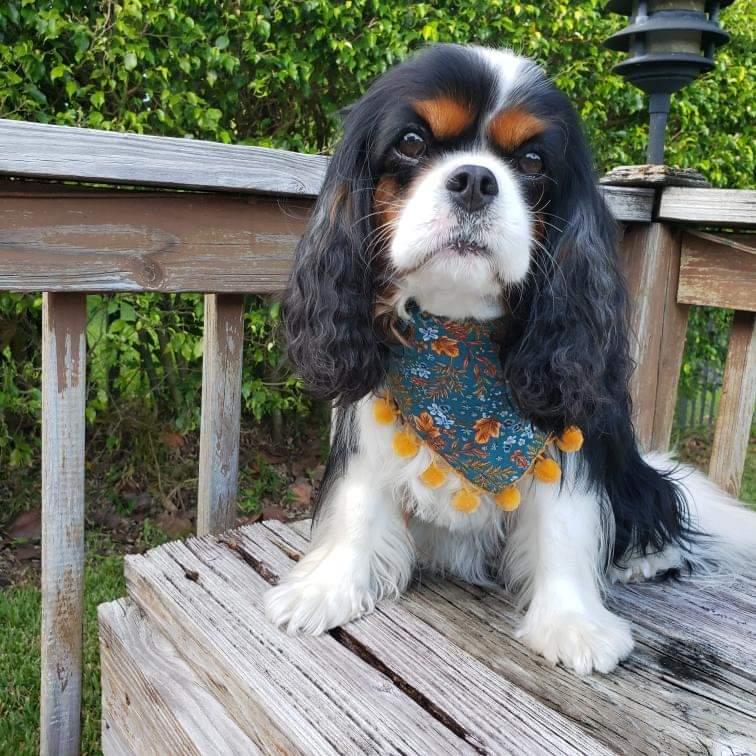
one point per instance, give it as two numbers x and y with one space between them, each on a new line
190 666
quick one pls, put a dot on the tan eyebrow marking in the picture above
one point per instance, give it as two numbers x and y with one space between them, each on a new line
446 117
510 128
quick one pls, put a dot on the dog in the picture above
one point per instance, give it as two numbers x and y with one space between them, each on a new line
463 186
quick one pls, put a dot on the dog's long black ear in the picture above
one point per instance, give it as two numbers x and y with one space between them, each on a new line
329 302
567 360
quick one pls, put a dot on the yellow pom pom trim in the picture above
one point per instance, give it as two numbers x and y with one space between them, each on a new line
433 476
547 471
405 443
508 498
571 440
384 411
465 500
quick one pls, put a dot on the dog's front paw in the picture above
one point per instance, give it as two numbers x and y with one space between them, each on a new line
581 641
316 602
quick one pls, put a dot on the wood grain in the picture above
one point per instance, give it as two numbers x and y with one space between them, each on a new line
685 688
221 410
629 204
209 602
112 741
152 699
718 270
64 319
650 254
62 152
141 241
496 715
715 207
448 650
735 412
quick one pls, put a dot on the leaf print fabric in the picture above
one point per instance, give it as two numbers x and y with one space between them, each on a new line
448 384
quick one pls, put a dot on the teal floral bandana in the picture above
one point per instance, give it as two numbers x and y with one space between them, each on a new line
447 382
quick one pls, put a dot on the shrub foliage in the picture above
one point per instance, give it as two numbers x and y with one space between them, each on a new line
275 73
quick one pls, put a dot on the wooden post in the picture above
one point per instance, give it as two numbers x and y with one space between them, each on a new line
735 414
64 320
651 257
221 408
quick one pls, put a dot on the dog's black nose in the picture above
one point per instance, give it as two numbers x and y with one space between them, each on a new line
472 187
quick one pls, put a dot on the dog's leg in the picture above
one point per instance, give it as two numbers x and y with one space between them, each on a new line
361 552
554 553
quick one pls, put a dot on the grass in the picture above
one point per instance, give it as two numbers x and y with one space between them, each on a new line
20 658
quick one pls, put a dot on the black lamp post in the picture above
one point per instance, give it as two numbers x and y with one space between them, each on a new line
670 43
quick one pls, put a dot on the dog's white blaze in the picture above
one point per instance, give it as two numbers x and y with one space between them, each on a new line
441 280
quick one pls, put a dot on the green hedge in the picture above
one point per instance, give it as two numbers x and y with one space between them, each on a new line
274 73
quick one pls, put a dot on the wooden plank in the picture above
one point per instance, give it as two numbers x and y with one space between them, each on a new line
494 712
735 414
715 207
64 320
289 695
43 151
653 176
152 699
718 270
681 690
67 240
62 152
651 258
629 204
113 742
664 698
221 410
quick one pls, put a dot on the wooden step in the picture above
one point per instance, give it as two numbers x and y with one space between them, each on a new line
152 701
441 671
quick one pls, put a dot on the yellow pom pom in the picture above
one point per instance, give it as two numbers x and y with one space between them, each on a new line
547 471
384 411
465 500
405 443
571 440
433 476
508 498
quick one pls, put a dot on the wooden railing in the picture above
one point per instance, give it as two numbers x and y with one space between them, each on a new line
224 221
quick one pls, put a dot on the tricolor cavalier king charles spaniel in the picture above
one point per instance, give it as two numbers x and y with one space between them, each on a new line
463 183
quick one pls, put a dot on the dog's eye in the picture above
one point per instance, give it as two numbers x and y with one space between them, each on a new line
412 145
531 163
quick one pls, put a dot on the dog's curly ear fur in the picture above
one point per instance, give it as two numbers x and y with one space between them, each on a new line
329 302
568 359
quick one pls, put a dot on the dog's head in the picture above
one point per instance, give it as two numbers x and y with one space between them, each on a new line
463 182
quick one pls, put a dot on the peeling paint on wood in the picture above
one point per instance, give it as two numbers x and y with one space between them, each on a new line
221 409
63 399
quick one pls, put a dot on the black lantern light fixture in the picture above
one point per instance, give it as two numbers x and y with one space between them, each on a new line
670 43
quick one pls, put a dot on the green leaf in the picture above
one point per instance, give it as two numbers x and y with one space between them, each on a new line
130 61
